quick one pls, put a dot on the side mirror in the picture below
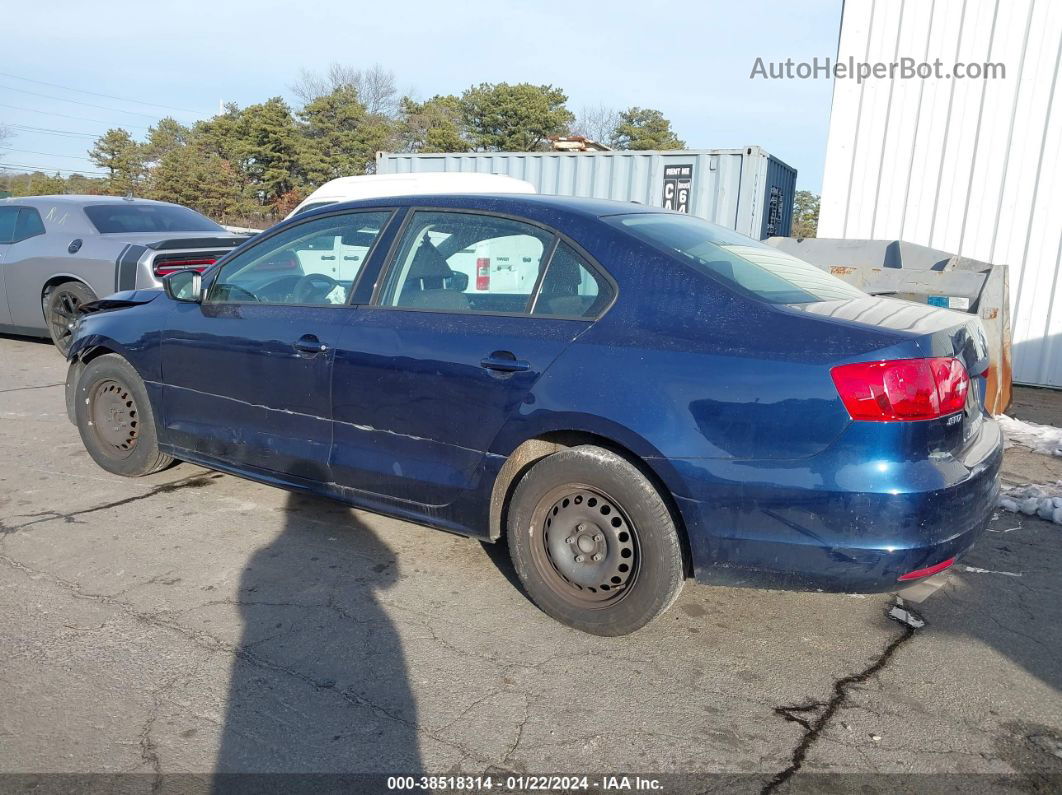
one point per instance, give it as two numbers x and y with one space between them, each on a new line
184 286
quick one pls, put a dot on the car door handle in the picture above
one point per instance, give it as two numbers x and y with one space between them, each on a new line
328 256
504 364
351 257
308 343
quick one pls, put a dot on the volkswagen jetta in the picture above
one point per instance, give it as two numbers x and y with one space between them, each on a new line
626 396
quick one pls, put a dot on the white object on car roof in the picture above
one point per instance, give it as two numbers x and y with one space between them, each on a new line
375 186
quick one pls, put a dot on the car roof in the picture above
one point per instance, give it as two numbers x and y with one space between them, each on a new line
431 181
532 204
78 199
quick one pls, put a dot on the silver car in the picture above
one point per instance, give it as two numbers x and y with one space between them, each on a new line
58 252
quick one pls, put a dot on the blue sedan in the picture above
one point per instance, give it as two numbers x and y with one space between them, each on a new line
628 397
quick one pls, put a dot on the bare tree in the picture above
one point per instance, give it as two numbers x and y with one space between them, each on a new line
597 123
310 85
375 86
378 91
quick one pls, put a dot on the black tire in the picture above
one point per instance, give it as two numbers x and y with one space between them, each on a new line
593 542
61 303
115 418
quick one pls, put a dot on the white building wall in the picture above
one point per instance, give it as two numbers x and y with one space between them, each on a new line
969 166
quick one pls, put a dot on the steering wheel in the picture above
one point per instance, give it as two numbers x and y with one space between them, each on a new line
312 288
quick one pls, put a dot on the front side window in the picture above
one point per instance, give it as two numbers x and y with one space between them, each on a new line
749 265
314 263
131 216
453 261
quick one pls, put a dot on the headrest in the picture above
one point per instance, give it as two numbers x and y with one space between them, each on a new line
428 263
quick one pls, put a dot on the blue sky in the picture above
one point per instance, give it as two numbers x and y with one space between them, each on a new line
690 60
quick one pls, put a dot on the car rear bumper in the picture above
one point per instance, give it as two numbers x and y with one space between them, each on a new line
820 524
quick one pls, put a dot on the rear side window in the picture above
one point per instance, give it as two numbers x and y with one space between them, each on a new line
133 217
571 288
28 224
749 265
452 261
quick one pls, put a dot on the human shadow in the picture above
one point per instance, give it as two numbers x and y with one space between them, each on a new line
319 684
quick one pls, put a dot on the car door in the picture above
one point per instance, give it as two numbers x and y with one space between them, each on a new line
7 232
427 375
247 372
17 253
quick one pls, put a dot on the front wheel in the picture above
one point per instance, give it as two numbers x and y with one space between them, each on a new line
61 304
115 418
593 542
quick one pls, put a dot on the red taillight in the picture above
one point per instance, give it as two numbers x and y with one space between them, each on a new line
169 266
902 389
483 273
918 574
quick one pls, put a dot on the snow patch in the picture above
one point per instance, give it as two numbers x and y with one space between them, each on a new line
1044 501
976 570
1045 439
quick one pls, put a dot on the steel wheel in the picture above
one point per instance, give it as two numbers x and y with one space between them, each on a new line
63 304
588 548
114 418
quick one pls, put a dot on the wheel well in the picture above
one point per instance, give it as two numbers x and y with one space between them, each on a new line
55 281
94 353
533 450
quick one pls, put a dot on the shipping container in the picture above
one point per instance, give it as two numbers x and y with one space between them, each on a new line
744 189
966 165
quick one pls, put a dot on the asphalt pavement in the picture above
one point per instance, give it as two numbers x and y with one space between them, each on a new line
192 622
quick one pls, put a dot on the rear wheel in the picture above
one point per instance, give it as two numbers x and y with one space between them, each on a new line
593 542
61 305
115 418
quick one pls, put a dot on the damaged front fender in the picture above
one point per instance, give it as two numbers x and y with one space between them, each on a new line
120 300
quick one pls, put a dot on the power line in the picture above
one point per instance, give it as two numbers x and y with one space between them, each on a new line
79 102
105 96
68 116
49 169
46 154
52 131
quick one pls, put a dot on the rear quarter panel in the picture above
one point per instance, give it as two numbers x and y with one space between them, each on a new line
33 263
683 368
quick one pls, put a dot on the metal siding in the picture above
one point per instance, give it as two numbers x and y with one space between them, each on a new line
730 186
968 166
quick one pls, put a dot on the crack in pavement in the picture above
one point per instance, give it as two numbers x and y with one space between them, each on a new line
814 726
25 388
192 481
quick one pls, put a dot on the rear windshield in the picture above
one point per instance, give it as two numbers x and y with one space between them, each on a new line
132 217
753 267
